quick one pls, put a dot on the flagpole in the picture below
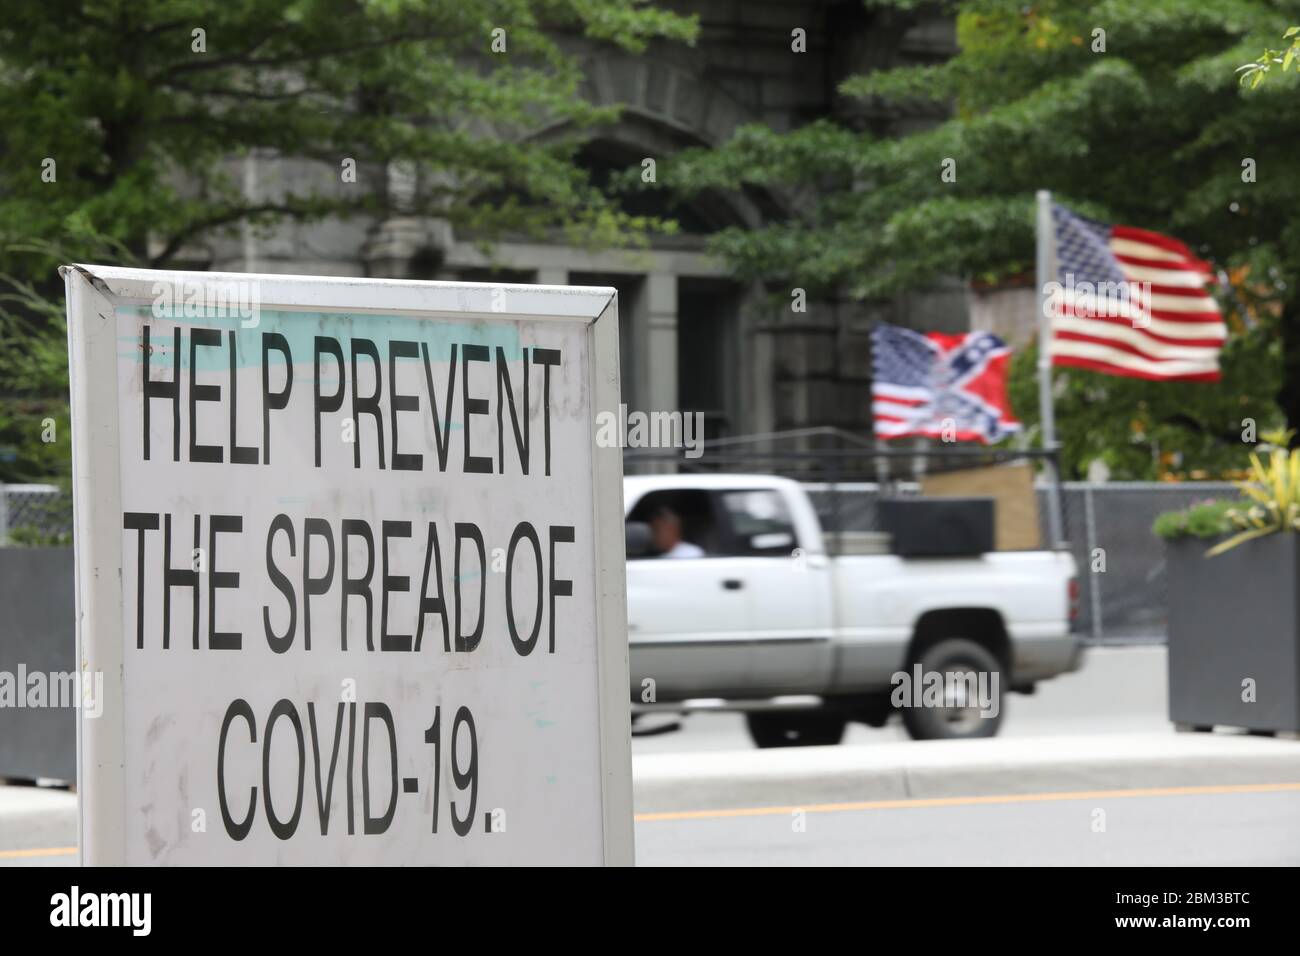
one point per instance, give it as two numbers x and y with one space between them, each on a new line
1046 268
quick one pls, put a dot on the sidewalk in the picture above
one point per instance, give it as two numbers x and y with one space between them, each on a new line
1036 768
36 818
910 770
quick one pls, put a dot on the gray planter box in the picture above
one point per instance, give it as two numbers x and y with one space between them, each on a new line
1232 617
38 633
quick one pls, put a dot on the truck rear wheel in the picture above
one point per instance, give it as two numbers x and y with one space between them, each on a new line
960 713
776 728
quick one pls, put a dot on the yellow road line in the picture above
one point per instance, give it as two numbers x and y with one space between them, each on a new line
39 851
915 804
918 804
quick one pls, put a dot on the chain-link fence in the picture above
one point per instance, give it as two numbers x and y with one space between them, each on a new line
1122 578
35 515
1122 584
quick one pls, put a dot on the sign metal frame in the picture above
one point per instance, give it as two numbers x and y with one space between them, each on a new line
93 295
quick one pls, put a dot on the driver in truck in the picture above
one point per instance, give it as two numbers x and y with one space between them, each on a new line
666 530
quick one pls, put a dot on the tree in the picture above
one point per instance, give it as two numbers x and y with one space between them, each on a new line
1256 71
1130 113
123 117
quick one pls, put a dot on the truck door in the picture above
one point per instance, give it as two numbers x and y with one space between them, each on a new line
789 611
687 617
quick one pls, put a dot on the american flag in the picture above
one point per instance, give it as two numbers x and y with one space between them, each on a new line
951 387
1131 302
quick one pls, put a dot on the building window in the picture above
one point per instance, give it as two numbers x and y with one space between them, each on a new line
708 353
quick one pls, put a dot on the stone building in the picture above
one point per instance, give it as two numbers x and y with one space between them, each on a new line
692 337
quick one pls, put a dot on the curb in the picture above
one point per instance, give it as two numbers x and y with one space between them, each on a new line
677 783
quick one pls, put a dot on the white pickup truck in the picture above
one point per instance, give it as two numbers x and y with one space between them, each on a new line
762 619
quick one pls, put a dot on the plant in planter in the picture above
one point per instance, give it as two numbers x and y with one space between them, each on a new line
1234 605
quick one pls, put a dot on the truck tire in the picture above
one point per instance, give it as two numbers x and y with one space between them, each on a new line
776 728
952 720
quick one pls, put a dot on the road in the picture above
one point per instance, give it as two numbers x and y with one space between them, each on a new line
38 826
1237 829
1244 828
1119 691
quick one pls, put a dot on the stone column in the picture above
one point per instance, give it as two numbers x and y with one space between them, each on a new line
657 368
757 366
393 244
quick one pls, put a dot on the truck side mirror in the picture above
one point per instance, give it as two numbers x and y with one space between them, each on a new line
640 543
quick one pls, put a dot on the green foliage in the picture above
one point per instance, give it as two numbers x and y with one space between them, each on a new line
1152 132
28 537
1207 519
145 131
1272 495
1254 73
35 434
143 127
25 454
43 521
1269 504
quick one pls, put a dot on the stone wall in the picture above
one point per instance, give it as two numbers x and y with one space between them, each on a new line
790 370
